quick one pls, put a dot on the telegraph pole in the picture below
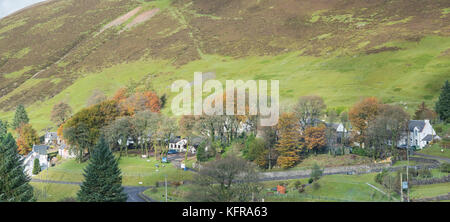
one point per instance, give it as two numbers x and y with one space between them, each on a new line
401 186
407 167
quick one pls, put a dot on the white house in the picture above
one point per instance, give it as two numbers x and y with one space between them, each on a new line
421 133
52 138
65 152
38 152
180 145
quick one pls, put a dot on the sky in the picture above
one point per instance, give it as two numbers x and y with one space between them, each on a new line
9 6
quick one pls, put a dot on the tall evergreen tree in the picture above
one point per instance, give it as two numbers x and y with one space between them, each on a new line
3 127
443 104
103 180
14 183
20 117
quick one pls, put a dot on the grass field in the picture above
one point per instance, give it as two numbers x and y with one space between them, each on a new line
432 190
134 171
51 192
332 188
436 150
326 160
174 194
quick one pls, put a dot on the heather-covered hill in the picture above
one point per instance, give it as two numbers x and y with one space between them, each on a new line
58 50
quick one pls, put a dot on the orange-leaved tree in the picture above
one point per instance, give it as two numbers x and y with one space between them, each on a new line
27 138
315 138
361 114
289 145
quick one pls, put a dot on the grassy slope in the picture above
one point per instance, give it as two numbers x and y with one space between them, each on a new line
54 192
341 81
436 150
134 170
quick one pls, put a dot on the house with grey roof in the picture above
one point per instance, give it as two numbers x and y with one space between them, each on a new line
38 152
420 133
52 138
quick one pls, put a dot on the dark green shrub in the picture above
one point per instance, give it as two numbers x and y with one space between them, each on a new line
36 167
316 172
311 180
360 151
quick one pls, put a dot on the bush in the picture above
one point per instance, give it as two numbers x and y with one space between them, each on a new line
445 167
311 180
156 184
360 151
36 167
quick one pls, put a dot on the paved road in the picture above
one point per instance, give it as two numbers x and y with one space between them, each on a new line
132 191
433 157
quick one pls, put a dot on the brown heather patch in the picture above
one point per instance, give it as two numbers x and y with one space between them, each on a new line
182 32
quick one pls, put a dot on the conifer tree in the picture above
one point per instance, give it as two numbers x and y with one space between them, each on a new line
20 117
443 104
14 183
36 166
103 180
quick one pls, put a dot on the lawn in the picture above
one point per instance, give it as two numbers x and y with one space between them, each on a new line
436 150
332 188
174 194
134 171
326 160
431 190
51 192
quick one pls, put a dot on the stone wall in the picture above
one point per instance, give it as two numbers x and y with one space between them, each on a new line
445 179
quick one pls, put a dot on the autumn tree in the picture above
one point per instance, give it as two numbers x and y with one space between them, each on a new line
360 115
315 138
385 130
20 117
27 138
308 110
60 113
92 120
140 101
288 145
423 112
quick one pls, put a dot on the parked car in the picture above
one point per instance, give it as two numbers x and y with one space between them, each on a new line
172 152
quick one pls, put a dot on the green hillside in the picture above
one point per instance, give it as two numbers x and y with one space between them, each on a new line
342 50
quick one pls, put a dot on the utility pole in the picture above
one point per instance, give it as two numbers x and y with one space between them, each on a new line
401 186
407 167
